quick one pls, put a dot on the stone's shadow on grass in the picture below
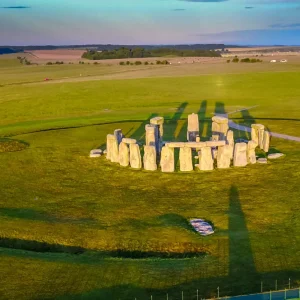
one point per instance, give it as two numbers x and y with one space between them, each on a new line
139 133
11 145
25 213
175 220
248 120
241 261
37 246
201 114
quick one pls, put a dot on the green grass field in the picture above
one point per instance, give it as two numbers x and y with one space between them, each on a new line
72 227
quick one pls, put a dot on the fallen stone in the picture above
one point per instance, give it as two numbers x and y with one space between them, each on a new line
240 155
128 141
167 161
262 161
124 156
275 155
96 153
185 159
135 156
150 158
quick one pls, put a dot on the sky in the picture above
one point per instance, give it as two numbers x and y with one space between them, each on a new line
66 22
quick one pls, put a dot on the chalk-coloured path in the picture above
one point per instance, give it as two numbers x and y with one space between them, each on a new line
248 129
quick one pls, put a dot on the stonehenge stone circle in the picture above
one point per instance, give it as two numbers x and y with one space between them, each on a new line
257 134
221 146
266 141
206 162
193 127
112 148
224 157
251 152
152 136
119 135
220 126
128 141
124 156
135 156
185 159
159 121
150 158
240 155
167 160
230 141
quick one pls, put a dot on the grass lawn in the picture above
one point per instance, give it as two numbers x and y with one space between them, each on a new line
78 228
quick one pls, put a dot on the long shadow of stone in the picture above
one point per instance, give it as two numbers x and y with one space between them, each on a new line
241 261
248 120
201 114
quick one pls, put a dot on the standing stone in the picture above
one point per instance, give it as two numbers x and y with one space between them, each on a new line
124 155
193 127
152 136
214 151
251 152
135 156
220 126
150 158
240 155
266 142
159 121
185 159
206 162
254 134
224 157
230 141
112 148
167 160
119 135
257 134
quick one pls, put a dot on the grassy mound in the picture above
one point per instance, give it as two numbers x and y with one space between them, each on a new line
8 145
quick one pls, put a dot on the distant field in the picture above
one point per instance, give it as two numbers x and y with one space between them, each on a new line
72 227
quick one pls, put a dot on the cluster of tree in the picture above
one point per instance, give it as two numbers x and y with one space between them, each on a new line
244 60
24 61
146 63
142 52
54 63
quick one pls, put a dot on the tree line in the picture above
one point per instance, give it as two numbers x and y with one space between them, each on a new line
142 52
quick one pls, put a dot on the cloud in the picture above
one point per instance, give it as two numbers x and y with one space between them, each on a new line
280 26
249 7
178 9
204 1
15 7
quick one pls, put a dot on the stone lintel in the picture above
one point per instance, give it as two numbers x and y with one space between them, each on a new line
128 141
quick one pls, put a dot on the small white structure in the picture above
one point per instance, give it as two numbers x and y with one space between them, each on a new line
201 226
273 61
283 61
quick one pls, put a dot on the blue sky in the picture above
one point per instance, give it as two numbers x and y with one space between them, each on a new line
245 22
